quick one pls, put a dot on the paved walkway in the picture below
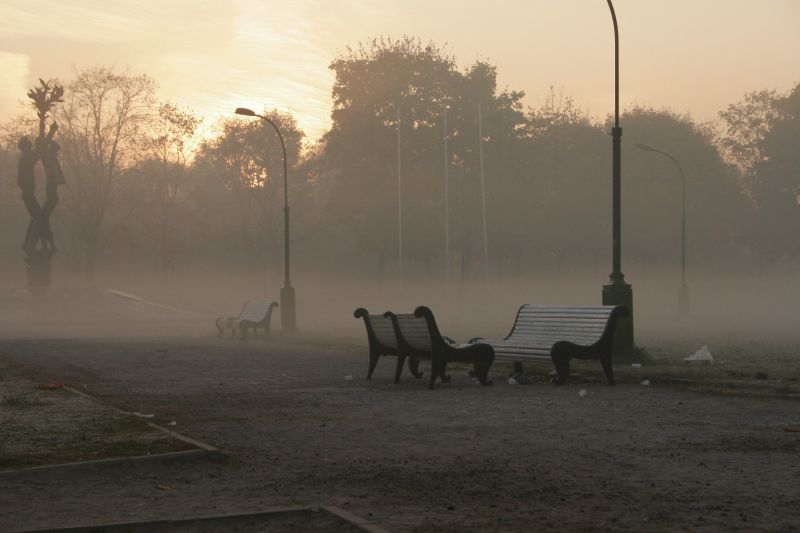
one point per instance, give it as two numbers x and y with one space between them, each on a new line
461 458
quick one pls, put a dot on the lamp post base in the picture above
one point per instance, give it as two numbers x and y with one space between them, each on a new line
288 313
620 293
683 300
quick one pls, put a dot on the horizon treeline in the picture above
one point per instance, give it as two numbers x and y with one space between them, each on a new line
146 189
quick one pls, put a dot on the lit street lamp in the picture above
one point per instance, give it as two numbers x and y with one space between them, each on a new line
683 290
288 313
617 292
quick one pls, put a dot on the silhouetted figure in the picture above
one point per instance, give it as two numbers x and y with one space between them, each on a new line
39 245
54 177
46 150
26 179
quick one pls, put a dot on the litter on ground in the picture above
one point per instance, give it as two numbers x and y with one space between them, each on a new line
701 356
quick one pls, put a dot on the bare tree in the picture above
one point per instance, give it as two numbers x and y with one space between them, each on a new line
101 123
169 143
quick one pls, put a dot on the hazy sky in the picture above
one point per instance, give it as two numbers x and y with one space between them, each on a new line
692 56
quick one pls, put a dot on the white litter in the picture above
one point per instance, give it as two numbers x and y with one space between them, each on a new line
348 377
582 393
173 423
645 382
636 365
142 415
512 381
701 356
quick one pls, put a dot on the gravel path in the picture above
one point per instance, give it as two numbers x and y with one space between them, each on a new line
460 458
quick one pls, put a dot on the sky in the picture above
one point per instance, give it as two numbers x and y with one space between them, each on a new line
691 56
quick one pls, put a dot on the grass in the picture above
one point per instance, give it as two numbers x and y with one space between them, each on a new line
51 426
742 366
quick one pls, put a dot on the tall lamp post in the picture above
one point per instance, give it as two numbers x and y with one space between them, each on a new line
446 204
683 290
288 312
617 292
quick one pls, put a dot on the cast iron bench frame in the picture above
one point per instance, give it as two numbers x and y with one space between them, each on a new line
558 334
255 314
418 336
383 341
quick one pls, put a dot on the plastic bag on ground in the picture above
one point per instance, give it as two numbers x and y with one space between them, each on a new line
701 356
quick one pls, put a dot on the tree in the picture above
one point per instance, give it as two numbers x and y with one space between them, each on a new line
385 88
568 185
775 178
718 210
101 125
746 124
169 141
247 157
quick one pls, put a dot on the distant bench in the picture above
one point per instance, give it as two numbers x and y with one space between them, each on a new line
559 334
419 337
255 314
383 341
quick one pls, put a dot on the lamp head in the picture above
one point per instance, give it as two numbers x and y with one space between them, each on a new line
645 147
244 111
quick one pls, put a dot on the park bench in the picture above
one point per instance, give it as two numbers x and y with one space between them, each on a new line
383 341
255 314
419 337
558 334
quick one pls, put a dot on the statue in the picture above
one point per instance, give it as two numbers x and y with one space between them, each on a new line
39 244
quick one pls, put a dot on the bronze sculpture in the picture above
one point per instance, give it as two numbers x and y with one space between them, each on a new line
39 244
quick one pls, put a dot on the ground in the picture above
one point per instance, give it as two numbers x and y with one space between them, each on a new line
300 425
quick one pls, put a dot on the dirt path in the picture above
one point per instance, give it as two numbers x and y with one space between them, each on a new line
461 458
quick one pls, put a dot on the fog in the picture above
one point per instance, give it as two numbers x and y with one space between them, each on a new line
429 168
745 307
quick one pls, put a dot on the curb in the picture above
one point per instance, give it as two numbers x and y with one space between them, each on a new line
208 449
202 449
355 520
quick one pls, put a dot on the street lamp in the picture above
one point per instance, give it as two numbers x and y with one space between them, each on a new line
288 313
683 290
617 292
446 203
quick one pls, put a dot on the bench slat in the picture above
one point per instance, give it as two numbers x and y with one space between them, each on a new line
254 311
565 308
560 326
560 320
538 329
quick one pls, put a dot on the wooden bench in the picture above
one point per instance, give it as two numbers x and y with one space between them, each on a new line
558 334
255 314
383 341
419 337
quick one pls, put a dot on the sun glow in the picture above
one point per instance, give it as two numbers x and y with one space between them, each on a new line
215 56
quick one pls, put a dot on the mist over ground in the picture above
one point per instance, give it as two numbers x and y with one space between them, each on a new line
733 307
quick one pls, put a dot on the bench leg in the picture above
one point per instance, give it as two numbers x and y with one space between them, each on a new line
482 365
562 373
608 369
519 374
413 366
401 359
561 365
373 361
443 375
436 369
561 353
